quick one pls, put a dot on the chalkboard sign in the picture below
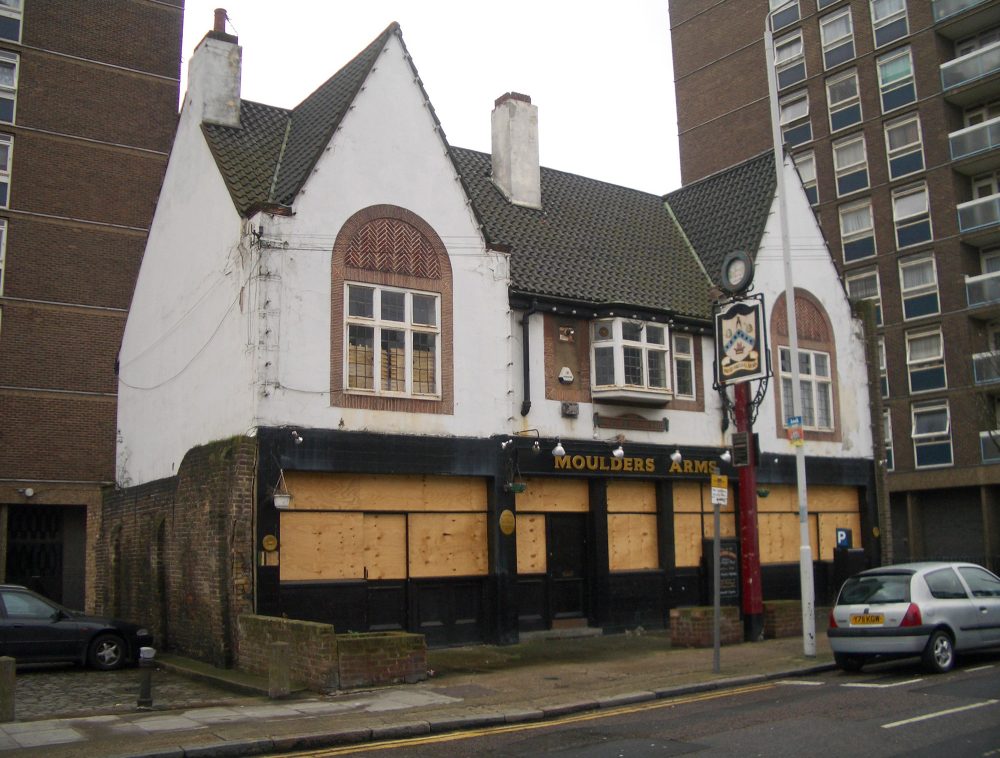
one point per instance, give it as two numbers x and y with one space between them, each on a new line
729 570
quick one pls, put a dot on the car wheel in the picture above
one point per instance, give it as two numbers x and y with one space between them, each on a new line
849 662
939 655
107 652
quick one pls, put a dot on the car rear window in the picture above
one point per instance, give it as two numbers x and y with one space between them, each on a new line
876 588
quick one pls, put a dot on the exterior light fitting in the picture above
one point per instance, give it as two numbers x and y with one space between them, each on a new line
676 456
618 452
726 456
558 451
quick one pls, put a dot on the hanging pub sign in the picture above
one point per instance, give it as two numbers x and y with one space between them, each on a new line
740 341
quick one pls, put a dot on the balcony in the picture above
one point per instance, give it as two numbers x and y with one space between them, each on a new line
960 18
972 78
982 293
986 368
979 220
976 149
989 446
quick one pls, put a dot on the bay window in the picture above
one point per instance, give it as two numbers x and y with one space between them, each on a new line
631 361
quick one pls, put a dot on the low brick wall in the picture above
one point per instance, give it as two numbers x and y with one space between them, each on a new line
312 649
783 618
381 658
694 626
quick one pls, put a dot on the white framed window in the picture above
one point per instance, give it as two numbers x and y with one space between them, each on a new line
850 165
783 13
392 339
816 384
977 41
989 260
10 20
806 165
843 101
3 250
889 21
919 287
821 4
895 79
864 285
630 359
837 34
684 366
789 59
977 114
8 86
890 463
794 118
985 185
931 432
883 374
904 146
857 230
925 360
6 157
911 215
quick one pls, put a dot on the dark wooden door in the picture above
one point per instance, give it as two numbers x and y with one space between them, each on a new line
566 539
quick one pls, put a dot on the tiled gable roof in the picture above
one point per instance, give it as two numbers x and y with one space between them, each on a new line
726 211
591 242
270 155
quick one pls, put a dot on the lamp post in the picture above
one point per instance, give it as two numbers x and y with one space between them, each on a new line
805 550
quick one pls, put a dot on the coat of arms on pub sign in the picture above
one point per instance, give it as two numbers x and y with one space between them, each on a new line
740 342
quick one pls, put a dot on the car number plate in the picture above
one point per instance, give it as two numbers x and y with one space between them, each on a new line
867 619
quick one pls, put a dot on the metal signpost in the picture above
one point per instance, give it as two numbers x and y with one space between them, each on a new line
720 497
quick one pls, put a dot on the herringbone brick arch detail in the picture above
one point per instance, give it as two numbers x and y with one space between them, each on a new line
389 244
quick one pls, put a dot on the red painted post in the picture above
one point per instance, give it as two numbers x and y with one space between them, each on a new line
753 597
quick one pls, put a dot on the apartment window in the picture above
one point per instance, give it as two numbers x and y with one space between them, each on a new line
889 22
684 366
794 117
989 261
806 165
904 147
895 79
10 20
857 232
911 215
850 165
3 249
843 101
925 360
8 86
837 35
883 373
976 42
630 355
392 338
6 150
821 4
783 13
890 463
931 425
980 113
816 385
789 61
985 185
864 286
919 287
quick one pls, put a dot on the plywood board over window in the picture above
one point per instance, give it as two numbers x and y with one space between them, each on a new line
626 496
385 546
447 544
555 495
632 542
322 546
531 556
829 523
370 492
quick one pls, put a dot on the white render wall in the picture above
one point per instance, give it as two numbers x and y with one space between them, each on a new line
813 270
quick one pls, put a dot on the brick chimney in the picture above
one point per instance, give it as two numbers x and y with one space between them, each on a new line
214 76
515 150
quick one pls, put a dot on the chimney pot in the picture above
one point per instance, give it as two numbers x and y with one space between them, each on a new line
220 20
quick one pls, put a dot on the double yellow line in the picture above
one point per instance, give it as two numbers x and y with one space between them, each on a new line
604 713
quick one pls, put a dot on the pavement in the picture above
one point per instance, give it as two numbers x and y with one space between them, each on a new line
201 711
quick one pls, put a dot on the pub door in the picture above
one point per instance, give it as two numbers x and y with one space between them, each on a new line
568 591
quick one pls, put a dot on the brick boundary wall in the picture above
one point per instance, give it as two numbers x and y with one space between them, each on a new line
783 618
312 649
177 554
694 626
381 658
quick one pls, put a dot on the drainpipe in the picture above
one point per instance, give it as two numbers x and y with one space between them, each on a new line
525 356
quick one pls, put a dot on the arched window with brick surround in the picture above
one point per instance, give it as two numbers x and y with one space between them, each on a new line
817 368
391 314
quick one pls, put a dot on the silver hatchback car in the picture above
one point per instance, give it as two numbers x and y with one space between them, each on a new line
928 609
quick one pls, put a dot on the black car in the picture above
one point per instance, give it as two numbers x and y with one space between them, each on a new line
33 629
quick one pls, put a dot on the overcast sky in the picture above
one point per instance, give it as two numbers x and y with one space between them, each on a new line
599 71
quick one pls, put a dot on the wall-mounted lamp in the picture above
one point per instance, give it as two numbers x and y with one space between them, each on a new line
676 456
536 446
282 498
558 451
26 491
726 456
296 437
619 451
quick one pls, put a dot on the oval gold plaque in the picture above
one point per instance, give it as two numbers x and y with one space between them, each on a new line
507 522
269 543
